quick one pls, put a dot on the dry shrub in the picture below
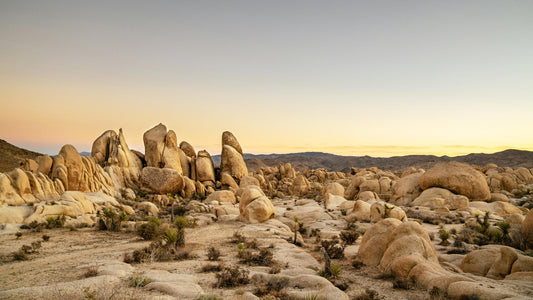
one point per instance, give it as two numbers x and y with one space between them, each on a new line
262 258
349 237
212 268
232 276
91 271
334 249
274 287
213 254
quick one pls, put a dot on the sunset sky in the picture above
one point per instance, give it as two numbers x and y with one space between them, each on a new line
378 78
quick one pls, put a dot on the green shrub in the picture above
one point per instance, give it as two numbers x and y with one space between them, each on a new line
20 255
111 220
56 222
148 231
138 281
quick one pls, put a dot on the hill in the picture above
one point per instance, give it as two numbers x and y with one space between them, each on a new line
312 160
11 156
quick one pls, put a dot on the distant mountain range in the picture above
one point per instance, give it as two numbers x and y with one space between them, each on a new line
313 160
11 156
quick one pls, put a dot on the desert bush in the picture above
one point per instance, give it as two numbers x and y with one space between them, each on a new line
140 255
349 237
18 235
334 249
444 236
274 287
46 238
212 268
213 254
238 238
138 281
148 231
111 220
91 271
262 258
128 258
56 222
20 255
368 294
403 284
209 297
335 271
179 210
274 269
232 276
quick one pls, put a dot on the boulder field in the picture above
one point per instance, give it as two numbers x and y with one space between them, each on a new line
449 229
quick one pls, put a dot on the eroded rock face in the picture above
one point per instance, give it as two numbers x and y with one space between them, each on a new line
527 229
204 167
438 197
458 178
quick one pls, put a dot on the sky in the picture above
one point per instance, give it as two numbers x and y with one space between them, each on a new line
378 78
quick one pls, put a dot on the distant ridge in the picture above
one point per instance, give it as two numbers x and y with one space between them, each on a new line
11 156
312 160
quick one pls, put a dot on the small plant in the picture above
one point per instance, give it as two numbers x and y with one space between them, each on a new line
209 297
335 271
128 258
334 249
403 284
212 268
180 223
56 222
213 254
238 238
138 281
296 228
20 255
444 236
91 271
150 230
18 235
232 276
262 258
46 238
111 220
349 237
368 295
274 287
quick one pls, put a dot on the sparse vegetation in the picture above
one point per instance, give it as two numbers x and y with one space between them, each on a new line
18 235
46 238
231 276
349 237
274 287
111 220
444 236
212 253
91 271
148 231
56 222
368 294
334 249
138 281
212 267
209 297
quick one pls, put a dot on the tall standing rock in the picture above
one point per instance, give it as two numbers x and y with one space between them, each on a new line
161 148
232 161
204 167
74 165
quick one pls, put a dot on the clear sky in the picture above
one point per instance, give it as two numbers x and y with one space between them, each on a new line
377 78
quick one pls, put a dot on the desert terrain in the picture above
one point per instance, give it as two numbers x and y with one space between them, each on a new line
173 223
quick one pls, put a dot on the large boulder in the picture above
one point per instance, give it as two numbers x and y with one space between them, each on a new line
381 210
360 212
479 262
527 229
161 148
188 149
459 178
374 241
406 189
353 187
162 181
438 197
204 167
232 161
45 164
221 197
300 186
254 206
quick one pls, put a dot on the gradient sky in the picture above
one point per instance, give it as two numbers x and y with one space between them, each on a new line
377 78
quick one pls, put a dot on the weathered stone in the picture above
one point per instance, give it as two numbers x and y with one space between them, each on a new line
459 178
162 181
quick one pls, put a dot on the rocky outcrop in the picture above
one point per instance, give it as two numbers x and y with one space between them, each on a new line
459 178
406 189
438 197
